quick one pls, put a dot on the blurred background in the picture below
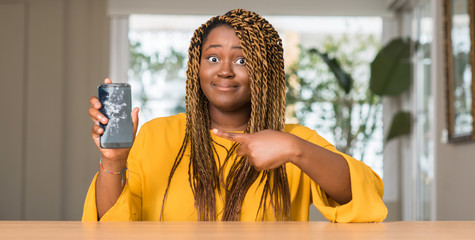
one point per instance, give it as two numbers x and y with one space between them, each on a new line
394 113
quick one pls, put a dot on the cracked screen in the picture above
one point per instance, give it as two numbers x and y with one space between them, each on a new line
116 106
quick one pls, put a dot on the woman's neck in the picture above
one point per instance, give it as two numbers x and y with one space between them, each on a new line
229 121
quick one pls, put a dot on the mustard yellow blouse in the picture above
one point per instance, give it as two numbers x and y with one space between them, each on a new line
153 155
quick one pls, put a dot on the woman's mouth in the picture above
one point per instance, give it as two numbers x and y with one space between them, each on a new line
225 87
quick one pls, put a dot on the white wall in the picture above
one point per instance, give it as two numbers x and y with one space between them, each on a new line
53 54
455 163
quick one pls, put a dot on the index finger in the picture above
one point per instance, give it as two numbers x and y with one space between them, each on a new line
236 137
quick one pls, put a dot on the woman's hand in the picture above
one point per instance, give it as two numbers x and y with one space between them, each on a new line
109 186
109 156
264 150
270 149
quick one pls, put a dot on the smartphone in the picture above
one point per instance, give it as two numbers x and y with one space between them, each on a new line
116 105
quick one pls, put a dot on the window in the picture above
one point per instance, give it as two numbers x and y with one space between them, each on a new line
424 108
159 45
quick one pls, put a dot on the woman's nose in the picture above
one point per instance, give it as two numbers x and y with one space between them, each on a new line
226 70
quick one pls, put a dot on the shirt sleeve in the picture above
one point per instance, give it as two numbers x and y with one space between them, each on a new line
366 187
129 204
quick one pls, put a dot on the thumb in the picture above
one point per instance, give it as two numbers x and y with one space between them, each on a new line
135 119
236 137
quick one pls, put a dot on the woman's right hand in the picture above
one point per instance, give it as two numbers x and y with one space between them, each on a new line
111 156
108 186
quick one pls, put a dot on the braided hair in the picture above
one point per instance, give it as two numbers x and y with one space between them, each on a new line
263 51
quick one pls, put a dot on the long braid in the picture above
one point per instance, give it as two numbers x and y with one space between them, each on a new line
262 49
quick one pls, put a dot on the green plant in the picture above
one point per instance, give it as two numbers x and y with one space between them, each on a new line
352 108
339 103
390 76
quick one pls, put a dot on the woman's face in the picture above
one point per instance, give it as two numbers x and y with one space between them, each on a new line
223 73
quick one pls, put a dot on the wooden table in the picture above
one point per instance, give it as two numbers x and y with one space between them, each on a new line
236 230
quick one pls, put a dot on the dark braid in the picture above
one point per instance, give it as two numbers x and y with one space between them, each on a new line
262 49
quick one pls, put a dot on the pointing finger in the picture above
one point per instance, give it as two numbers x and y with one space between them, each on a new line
236 137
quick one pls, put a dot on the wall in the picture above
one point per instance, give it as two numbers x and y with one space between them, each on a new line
455 163
54 53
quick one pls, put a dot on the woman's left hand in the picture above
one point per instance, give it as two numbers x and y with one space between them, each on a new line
264 150
270 149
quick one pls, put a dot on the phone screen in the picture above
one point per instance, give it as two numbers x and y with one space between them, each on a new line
116 103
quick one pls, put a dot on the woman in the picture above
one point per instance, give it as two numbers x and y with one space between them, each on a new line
231 156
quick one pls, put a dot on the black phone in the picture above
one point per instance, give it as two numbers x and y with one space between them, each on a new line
116 105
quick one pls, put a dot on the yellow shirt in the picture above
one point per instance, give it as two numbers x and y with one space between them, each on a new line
153 155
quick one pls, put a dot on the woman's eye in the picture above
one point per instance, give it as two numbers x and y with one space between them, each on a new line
213 59
241 61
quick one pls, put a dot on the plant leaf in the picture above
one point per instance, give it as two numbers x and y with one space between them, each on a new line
390 69
344 79
400 125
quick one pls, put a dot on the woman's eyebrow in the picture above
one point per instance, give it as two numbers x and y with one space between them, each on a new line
214 46
219 46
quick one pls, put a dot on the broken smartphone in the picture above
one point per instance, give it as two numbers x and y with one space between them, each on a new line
116 103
